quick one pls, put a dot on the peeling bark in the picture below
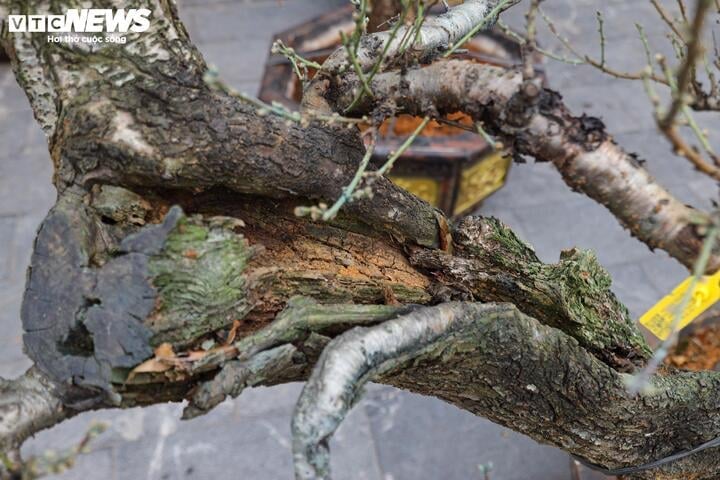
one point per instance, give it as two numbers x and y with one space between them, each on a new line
535 122
174 224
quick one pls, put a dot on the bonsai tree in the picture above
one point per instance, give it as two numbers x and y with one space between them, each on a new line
203 242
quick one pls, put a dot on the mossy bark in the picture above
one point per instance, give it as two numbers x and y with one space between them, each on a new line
137 137
574 295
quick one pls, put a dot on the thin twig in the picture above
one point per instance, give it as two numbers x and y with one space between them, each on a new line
347 43
601 31
406 144
667 19
687 68
591 61
529 47
212 79
348 191
381 59
522 41
670 130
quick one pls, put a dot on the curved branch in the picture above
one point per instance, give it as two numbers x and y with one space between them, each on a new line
352 360
161 126
28 404
436 34
535 122
496 362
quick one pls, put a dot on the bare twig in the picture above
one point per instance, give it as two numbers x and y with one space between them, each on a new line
598 64
321 211
50 462
522 41
687 68
530 46
667 19
212 78
300 64
387 166
349 190
680 86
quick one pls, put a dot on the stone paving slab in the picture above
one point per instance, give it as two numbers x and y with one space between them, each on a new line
391 434
419 437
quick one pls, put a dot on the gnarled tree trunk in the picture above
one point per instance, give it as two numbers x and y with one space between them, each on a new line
175 224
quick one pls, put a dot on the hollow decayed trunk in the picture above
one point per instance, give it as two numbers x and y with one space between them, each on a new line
174 224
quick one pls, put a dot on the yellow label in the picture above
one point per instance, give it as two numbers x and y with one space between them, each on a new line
660 318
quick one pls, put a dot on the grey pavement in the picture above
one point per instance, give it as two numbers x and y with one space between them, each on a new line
390 435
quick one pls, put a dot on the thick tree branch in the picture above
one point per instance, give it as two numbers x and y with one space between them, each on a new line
28 404
436 34
535 122
157 126
349 362
492 265
495 361
118 269
125 294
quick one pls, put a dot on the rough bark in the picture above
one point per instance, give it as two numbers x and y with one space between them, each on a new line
494 361
493 265
534 121
183 279
29 403
104 128
174 224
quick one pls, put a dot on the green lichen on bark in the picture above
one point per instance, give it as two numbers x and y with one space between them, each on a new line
199 276
582 289
575 291
573 295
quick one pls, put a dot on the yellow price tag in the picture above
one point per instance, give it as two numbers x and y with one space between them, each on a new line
659 319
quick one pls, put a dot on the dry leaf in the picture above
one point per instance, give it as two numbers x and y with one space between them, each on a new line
150 366
233 332
164 351
161 362
195 355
